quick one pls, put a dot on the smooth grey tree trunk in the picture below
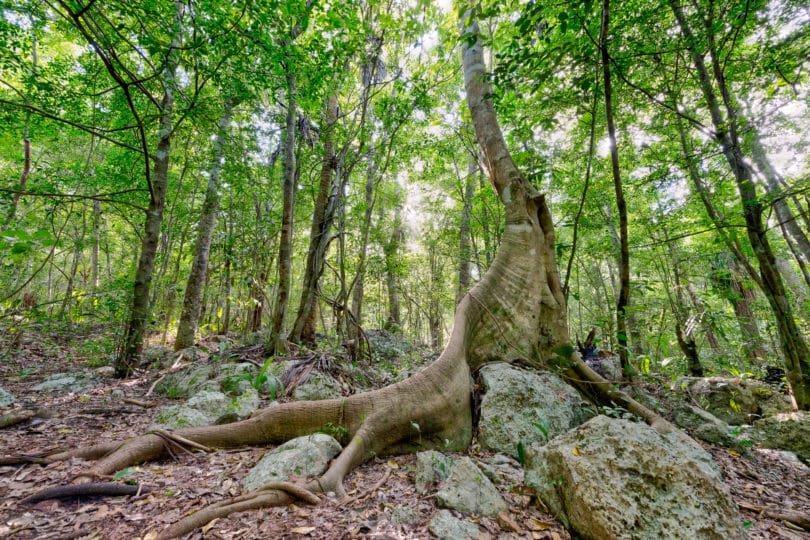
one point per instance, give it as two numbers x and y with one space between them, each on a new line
192 301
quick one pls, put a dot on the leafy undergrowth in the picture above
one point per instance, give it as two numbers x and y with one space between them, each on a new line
181 486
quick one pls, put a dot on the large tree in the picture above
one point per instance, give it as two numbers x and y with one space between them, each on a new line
515 313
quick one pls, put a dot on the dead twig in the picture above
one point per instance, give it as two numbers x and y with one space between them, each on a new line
796 518
139 403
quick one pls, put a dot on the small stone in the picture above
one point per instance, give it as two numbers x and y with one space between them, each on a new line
468 490
448 527
403 515
105 371
6 398
431 468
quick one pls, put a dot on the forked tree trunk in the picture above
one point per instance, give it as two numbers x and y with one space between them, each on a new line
192 301
726 128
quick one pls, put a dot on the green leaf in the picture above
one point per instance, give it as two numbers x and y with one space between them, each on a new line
123 473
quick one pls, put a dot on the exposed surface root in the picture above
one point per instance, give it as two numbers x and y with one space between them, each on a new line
273 494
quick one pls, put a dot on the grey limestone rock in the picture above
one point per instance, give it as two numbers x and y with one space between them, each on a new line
787 431
6 398
185 382
446 526
301 457
66 383
616 479
431 468
317 387
469 491
522 406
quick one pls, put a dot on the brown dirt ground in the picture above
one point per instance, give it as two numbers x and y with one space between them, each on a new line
188 483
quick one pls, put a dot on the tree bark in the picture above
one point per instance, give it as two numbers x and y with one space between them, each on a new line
434 304
391 251
189 319
773 182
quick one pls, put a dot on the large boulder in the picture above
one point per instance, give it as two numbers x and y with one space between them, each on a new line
469 491
522 406
616 479
180 416
6 398
734 401
301 457
66 383
208 407
240 407
788 431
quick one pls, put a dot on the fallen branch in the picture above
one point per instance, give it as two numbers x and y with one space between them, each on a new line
796 518
108 489
22 415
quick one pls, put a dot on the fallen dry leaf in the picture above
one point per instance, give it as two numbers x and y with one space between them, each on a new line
302 530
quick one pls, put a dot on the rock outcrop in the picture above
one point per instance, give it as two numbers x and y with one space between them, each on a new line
616 479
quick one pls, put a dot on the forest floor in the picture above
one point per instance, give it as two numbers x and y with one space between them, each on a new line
181 486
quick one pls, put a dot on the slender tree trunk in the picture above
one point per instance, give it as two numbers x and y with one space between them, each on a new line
94 251
285 240
319 234
464 244
773 181
686 339
187 328
623 300
392 262
434 304
794 347
139 312
359 283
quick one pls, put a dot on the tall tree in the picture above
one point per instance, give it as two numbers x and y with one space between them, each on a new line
623 300
192 301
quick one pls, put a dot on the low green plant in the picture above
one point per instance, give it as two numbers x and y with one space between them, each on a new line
337 431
